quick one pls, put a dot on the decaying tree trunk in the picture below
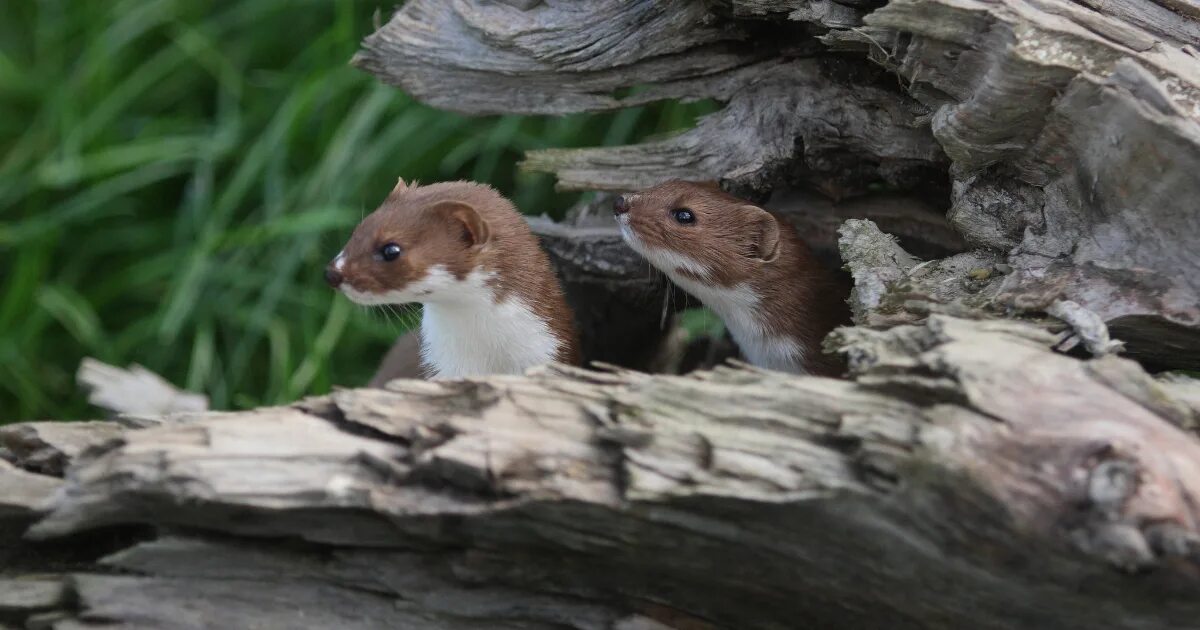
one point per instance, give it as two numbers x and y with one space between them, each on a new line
967 476
1012 186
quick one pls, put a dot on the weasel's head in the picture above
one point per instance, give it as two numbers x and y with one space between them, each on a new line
696 231
416 247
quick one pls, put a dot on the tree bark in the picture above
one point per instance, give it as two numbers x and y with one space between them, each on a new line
967 476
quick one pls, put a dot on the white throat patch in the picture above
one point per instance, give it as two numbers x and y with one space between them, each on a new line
465 331
737 306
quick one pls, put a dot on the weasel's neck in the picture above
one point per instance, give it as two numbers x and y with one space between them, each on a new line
740 307
741 310
475 334
787 345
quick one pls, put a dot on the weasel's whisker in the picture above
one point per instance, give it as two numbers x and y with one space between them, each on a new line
662 322
391 317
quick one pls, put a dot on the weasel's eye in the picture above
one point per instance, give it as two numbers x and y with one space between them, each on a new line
683 215
390 252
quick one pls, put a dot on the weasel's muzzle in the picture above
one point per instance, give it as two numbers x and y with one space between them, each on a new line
333 277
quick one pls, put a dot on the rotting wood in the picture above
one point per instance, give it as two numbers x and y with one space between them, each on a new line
967 475
135 390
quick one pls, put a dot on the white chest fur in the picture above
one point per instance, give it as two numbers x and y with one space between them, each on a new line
465 331
506 337
738 306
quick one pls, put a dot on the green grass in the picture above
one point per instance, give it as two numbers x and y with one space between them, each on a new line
174 175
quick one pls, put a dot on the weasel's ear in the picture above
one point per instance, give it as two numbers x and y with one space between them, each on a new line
764 229
475 229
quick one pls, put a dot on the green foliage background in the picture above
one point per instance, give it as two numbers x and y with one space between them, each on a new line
174 174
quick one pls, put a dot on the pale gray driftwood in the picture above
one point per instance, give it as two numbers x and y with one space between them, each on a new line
135 390
23 492
484 57
966 477
1073 136
47 447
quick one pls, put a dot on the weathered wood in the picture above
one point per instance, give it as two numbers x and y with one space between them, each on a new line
1072 134
47 447
23 492
134 391
851 136
29 595
968 476
477 57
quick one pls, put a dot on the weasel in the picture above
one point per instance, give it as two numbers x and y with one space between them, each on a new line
746 264
492 303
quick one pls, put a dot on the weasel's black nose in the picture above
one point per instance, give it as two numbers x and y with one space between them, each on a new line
621 205
333 277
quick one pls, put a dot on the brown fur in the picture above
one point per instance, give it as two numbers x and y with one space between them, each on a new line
438 224
742 243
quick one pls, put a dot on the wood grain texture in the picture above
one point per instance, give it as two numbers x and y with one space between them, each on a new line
967 474
135 390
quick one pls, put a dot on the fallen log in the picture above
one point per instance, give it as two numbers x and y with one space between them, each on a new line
966 476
